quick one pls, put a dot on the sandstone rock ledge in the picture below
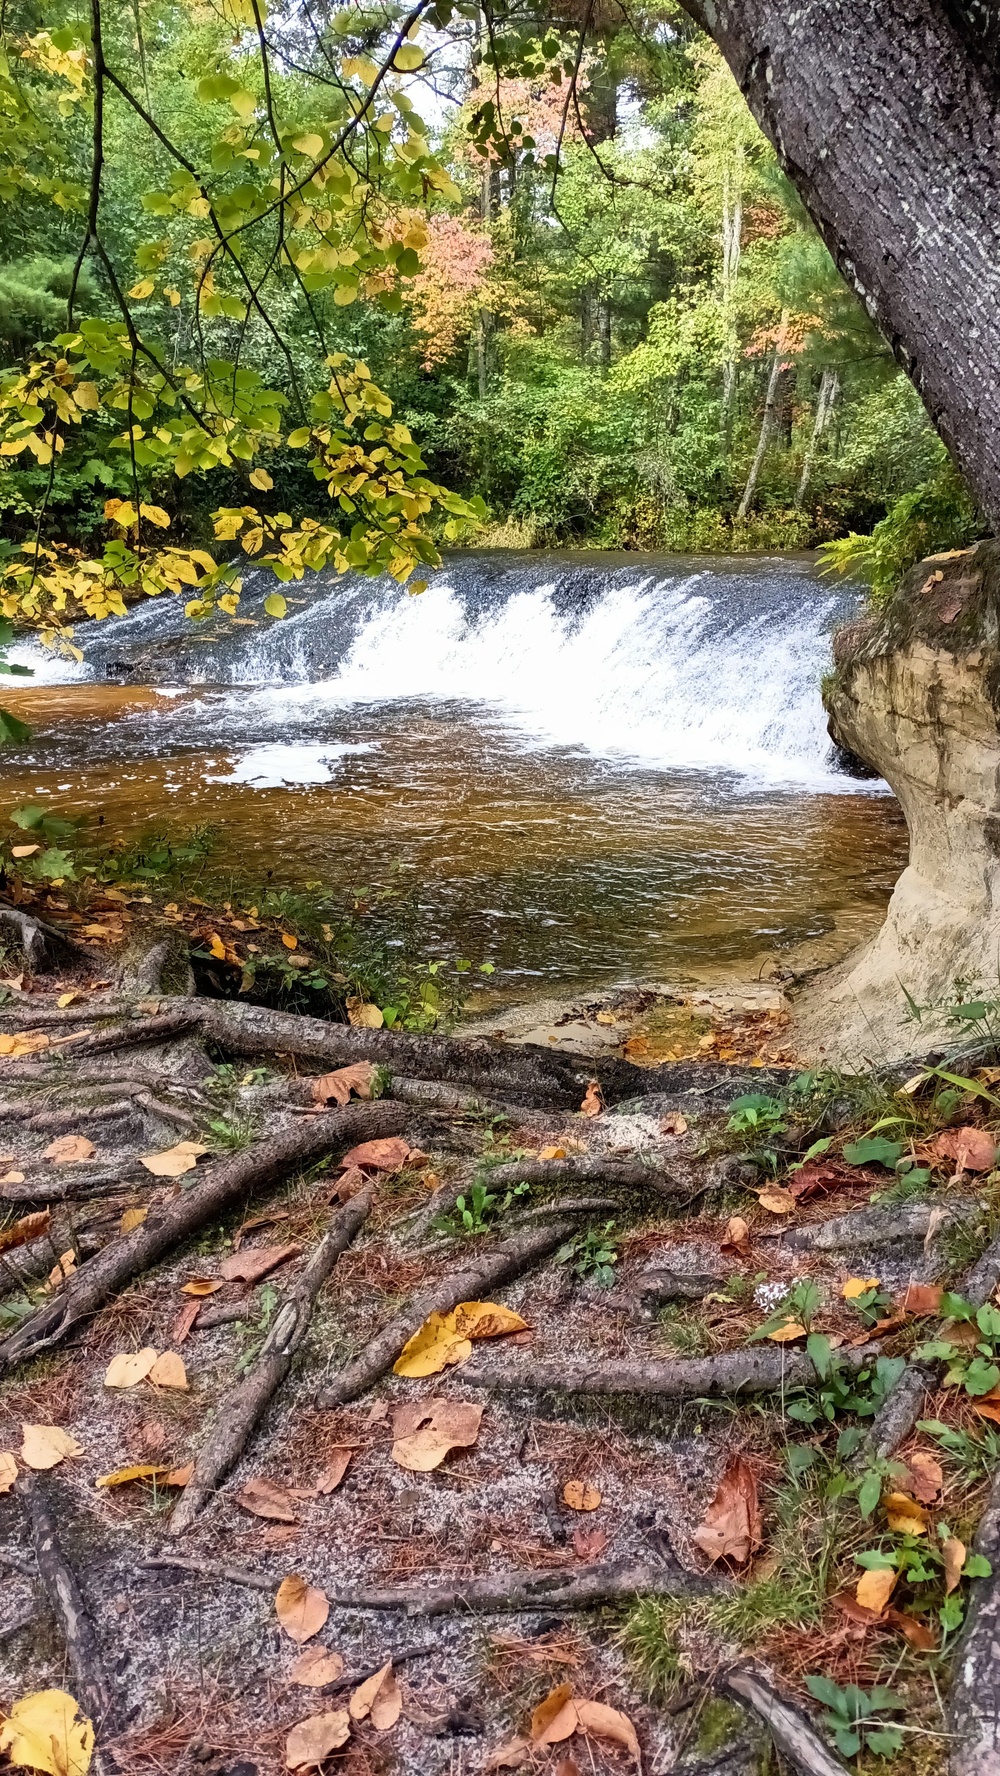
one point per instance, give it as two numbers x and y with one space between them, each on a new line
916 695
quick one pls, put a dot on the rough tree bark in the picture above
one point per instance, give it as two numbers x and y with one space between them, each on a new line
886 116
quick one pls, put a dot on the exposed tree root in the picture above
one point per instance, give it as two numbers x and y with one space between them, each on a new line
90 1685
974 1702
167 1223
225 1313
587 1169
526 1589
877 1227
43 945
731 1372
214 1569
241 1409
795 1738
492 1267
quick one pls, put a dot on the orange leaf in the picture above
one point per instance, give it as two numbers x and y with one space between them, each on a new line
875 1587
29 1227
69 1149
336 1468
923 1298
926 1477
787 1333
340 1084
592 1105
254 1262
263 1499
917 1633
599 1721
317 1666
185 1320
201 1286
378 1699
904 1514
954 1559
169 1372
386 1155
972 1149
579 1496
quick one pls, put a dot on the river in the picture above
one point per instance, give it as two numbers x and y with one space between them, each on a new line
591 767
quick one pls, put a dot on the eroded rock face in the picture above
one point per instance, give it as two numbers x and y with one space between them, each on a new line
916 694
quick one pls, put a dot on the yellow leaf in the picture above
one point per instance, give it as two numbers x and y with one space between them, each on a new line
65 999
275 605
408 57
132 1218
201 1286
156 515
875 1588
142 289
484 1319
786 1333
554 1718
173 297
128 1368
552 1153
434 1347
122 1476
260 478
365 1016
8 1470
904 1514
169 1372
310 1743
289 940
45 1446
856 1286
217 947
175 1161
47 1732
310 144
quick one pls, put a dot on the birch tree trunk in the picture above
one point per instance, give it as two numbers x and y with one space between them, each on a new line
767 420
886 116
732 245
829 389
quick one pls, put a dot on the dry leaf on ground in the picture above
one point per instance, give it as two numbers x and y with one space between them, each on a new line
364 1016
592 1105
787 1333
255 1262
29 1227
202 1286
509 1756
923 1298
954 1559
45 1446
122 1476
339 1084
444 1338
185 1321
310 1743
337 1464
552 1153
776 1200
301 1608
731 1529
917 1633
875 1587
378 1699
22 1043
580 1496
589 1544
169 1372
567 1766
173 1162
386 1155
179 1476
132 1218
264 1499
128 1368
554 1719
61 1271
971 1149
484 1319
425 1431
601 1722
67 1149
8 1470
317 1666
674 1124
48 1732
904 1514
12 1178
737 1237
926 1476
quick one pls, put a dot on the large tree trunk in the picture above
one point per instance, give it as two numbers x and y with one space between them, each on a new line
886 116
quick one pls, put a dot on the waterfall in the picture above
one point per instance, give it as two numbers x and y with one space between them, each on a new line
678 665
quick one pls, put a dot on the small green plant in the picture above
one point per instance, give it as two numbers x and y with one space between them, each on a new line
978 1457
592 1255
922 1563
799 1307
478 1210
972 1366
755 1115
268 1303
232 1133
853 1716
872 1305
841 1392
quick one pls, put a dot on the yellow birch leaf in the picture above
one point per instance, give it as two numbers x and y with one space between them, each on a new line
46 1731
874 1588
856 1286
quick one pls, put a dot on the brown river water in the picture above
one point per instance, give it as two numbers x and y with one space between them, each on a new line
591 769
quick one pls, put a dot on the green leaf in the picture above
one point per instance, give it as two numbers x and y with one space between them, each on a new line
869 1492
275 605
27 818
976 1567
819 1349
874 1150
826 1691
885 1742
981 1377
12 731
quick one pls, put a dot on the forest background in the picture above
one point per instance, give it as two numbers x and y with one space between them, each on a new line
617 327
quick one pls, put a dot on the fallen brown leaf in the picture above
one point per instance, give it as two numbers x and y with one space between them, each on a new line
179 1476
311 1741
917 1633
339 1084
8 1470
336 1467
555 1717
45 1446
787 1333
169 1372
386 1155
731 1529
875 1587
68 1149
589 1544
29 1227
776 1200
971 1149
301 1608
173 1162
599 1721
202 1286
425 1431
378 1699
580 1496
904 1514
674 1123
185 1321
953 1552
591 1105
509 1756
128 1368
736 1242
923 1298
255 1262
317 1666
926 1476
131 1219
264 1499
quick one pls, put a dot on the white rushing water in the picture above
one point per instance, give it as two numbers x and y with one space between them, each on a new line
716 667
